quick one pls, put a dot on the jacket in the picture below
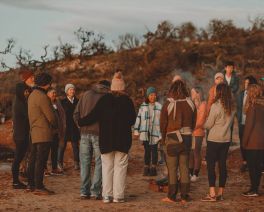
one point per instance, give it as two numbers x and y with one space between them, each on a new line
42 119
234 83
142 127
254 127
72 132
240 111
201 118
219 124
115 114
85 105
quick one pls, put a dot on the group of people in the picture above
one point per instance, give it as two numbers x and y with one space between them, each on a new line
103 120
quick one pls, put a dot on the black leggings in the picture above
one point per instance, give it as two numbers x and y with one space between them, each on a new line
217 152
254 161
151 153
20 152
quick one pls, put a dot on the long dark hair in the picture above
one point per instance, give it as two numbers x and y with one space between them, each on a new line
178 90
223 94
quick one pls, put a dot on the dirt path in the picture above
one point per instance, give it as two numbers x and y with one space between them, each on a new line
138 195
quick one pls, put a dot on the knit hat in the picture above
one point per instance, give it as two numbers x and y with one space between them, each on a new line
25 74
43 79
68 86
150 90
118 83
219 74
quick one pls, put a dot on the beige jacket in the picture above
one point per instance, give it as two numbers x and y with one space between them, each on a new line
42 119
219 124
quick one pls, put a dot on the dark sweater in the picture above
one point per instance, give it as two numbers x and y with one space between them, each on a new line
115 115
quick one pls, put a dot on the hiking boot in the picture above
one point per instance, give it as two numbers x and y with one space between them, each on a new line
146 171
43 191
153 171
56 172
19 185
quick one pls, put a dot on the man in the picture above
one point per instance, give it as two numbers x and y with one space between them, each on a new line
42 122
89 143
241 116
27 76
231 78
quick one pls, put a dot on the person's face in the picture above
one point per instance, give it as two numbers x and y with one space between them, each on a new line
26 93
229 69
219 80
152 98
52 95
30 81
71 92
246 84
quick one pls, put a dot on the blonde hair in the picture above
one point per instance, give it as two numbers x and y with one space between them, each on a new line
253 92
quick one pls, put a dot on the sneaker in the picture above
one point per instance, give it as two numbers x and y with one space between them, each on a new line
43 191
56 172
76 166
250 193
194 178
244 168
119 200
146 171
107 199
19 185
96 197
209 198
84 196
220 198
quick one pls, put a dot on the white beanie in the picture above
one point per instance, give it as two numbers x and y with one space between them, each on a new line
68 86
118 83
219 74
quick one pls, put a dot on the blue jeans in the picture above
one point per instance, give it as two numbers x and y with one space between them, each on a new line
89 145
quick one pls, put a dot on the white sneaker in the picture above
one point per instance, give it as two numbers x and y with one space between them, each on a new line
118 200
194 178
107 199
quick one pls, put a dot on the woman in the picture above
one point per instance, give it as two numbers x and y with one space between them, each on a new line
253 141
72 133
198 133
147 127
20 130
178 118
219 124
59 133
115 114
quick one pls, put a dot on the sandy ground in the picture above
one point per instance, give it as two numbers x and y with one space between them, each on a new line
138 195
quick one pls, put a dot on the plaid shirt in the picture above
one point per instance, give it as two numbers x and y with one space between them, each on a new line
141 126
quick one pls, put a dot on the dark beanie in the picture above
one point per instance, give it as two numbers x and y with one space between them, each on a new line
43 79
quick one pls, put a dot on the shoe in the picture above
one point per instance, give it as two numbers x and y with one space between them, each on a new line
107 199
19 185
56 172
220 198
194 178
250 193
186 198
146 171
30 188
96 197
43 191
153 171
119 200
76 166
47 173
160 163
84 196
244 168
60 166
209 198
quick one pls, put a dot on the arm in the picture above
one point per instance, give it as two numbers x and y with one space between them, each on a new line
201 117
211 118
250 120
164 121
46 108
76 113
138 122
132 113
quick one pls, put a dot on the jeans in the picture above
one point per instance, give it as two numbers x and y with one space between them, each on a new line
89 145
75 148
217 152
241 132
114 169
37 160
151 153
254 162
20 152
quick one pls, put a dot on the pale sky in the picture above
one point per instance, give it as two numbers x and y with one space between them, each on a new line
34 23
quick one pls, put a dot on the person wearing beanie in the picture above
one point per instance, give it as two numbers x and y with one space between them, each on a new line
89 143
42 122
115 114
218 78
147 128
72 133
27 76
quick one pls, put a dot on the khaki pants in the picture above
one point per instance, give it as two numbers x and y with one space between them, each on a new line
114 171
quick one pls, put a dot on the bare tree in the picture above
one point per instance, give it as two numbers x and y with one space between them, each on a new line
127 41
66 50
7 50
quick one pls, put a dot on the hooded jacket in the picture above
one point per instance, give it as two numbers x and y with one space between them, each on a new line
85 105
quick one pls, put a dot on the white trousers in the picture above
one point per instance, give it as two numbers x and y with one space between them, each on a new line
114 171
